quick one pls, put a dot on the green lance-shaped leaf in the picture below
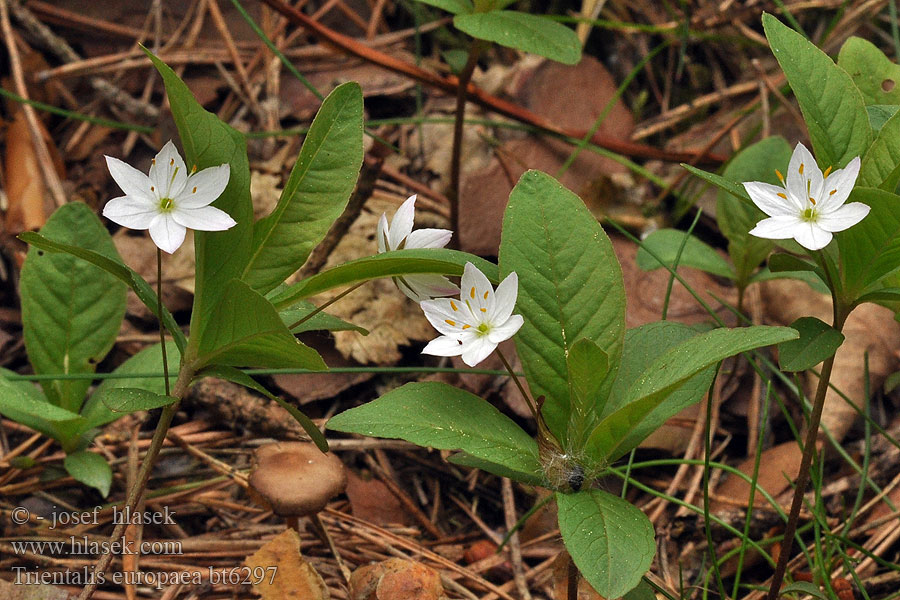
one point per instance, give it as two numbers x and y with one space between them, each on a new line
457 7
610 540
24 403
320 321
149 360
523 31
832 106
624 429
122 400
870 250
71 310
389 264
239 377
587 368
208 142
570 287
90 469
316 193
665 243
876 76
817 342
244 330
881 165
117 269
447 418
735 189
736 217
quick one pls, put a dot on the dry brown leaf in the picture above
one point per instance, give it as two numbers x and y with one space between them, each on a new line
293 577
265 189
391 318
778 468
372 501
25 188
570 96
321 386
869 329
561 581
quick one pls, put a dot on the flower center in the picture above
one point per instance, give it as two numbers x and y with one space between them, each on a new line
810 215
484 328
166 205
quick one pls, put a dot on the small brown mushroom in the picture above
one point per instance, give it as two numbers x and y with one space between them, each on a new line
295 479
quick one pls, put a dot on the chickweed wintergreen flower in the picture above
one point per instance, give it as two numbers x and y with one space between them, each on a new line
810 207
399 235
473 325
168 200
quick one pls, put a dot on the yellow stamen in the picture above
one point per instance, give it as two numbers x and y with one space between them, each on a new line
453 305
485 295
152 161
472 292
827 171
811 200
450 323
780 176
466 326
801 168
171 161
832 192
484 310
152 188
782 196
193 169
194 191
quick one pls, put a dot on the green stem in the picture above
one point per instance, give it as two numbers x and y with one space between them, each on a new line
162 328
531 405
809 452
137 491
326 305
465 77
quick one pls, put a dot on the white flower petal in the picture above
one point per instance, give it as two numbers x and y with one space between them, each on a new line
837 186
131 212
477 290
166 233
202 188
800 170
428 238
443 346
477 350
381 234
777 228
811 236
130 180
167 172
206 218
844 217
443 317
506 330
402 223
771 199
429 285
505 298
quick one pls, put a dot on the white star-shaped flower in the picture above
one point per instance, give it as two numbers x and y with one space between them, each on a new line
473 325
399 235
810 207
168 200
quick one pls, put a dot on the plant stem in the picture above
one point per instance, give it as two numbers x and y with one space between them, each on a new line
809 451
528 400
326 305
137 491
462 85
162 328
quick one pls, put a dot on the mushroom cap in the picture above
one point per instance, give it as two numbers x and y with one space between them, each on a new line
296 478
